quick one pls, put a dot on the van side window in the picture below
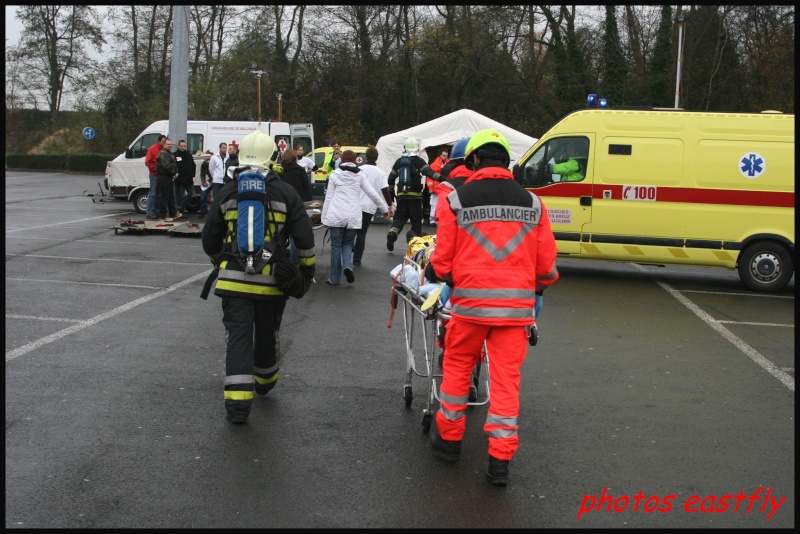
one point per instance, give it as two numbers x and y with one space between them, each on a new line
194 143
139 147
564 159
319 159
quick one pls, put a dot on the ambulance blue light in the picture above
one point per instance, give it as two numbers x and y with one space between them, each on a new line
602 103
591 101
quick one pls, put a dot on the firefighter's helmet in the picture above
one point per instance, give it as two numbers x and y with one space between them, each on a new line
258 150
411 145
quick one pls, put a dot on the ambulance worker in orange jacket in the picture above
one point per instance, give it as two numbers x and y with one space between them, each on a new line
494 245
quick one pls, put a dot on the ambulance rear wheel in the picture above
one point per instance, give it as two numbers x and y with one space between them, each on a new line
765 266
139 200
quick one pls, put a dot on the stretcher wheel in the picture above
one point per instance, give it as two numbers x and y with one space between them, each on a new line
473 389
427 419
408 395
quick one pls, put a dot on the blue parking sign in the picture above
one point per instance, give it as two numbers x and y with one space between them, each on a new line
88 132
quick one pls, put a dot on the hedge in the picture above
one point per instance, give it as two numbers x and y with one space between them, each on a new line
60 162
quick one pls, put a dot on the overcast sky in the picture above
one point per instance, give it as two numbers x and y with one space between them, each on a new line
14 29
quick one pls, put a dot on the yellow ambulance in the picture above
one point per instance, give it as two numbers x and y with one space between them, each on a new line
668 186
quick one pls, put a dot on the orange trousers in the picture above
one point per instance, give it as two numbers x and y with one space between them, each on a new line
507 347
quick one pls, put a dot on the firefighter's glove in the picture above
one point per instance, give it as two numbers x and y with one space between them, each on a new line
276 168
288 278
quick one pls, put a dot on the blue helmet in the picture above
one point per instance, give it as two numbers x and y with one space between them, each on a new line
459 148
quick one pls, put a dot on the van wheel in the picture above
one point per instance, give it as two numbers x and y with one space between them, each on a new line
139 200
193 206
765 266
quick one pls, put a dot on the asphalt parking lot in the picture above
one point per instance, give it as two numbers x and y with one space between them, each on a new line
656 397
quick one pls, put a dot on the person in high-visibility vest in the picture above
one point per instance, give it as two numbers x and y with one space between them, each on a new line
495 248
432 184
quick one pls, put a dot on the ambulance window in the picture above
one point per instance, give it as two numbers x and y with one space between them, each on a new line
563 159
194 143
305 142
531 175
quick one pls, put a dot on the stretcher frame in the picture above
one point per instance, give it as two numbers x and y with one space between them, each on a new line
430 323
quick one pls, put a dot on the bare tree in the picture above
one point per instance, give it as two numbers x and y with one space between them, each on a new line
53 47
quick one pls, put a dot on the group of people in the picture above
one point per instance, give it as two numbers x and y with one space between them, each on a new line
171 179
495 250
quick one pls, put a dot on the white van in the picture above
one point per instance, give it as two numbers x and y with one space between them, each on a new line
127 177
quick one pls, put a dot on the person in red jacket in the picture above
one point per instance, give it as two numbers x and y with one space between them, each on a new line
150 161
437 165
495 247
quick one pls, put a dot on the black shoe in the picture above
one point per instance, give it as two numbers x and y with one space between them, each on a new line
237 418
262 391
498 471
391 237
447 450
348 273
356 262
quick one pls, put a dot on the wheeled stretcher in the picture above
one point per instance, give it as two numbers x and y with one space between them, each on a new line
424 322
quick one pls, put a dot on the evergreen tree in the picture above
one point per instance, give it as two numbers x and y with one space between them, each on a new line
616 69
661 93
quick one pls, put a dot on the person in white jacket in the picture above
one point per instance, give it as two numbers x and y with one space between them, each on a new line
341 213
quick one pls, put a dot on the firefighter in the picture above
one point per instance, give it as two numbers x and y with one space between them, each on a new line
409 196
495 247
253 304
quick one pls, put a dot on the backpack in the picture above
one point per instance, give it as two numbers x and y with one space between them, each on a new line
404 174
251 201
249 248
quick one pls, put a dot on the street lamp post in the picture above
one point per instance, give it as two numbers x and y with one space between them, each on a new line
681 20
258 74
280 108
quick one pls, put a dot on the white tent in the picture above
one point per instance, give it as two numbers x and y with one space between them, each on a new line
448 129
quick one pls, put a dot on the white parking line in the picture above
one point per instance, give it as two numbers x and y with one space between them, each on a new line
106 259
749 351
757 324
66 282
36 318
10 355
763 295
62 222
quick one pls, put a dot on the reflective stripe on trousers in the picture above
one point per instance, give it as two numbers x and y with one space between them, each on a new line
507 347
252 345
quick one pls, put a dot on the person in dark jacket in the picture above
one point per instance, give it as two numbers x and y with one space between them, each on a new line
409 196
253 304
184 183
232 161
167 169
296 176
